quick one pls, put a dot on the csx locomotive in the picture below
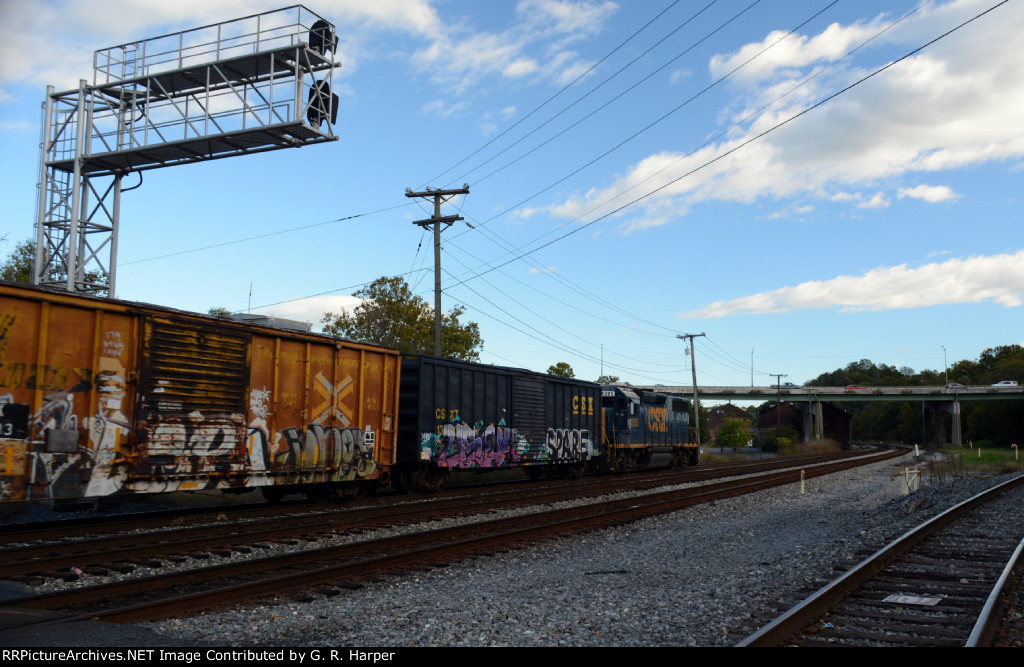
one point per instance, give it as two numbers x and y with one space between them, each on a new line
101 397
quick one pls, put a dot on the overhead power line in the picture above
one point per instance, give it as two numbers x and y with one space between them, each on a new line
552 98
734 149
263 236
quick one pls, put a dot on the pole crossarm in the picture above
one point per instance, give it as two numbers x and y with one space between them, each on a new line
447 219
430 192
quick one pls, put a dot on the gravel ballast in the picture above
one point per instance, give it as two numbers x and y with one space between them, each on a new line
704 576
699 577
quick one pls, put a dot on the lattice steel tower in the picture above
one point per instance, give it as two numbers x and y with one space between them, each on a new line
250 85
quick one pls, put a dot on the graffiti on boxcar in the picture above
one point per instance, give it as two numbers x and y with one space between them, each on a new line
112 345
110 421
6 324
258 399
57 412
17 375
565 444
348 451
89 470
460 445
259 433
56 470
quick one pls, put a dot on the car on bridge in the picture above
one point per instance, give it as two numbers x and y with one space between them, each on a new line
1007 383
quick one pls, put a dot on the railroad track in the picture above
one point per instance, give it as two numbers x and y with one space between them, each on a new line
64 552
77 526
945 583
179 593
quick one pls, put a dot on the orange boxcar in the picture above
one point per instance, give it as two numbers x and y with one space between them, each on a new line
101 397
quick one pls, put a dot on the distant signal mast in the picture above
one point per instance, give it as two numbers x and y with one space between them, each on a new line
249 85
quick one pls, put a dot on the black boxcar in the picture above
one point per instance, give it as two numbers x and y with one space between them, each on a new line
455 415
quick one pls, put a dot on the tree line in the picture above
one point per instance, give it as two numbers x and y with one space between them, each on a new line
985 423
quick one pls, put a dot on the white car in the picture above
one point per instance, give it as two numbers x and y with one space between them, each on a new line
1007 383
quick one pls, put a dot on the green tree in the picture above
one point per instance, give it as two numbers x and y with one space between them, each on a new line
391 315
733 433
219 311
608 379
705 434
562 370
909 428
19 265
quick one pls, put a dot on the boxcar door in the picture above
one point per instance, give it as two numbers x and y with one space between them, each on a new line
191 401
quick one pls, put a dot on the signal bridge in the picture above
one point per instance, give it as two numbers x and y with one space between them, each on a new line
250 85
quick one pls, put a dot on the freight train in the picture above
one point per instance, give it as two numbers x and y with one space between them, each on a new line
103 398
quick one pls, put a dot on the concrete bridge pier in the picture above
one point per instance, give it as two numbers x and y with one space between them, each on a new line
933 423
813 422
953 407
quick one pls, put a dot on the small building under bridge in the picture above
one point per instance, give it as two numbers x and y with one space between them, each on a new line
813 421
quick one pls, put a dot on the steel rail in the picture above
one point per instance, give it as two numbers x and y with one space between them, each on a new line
447 544
827 597
991 615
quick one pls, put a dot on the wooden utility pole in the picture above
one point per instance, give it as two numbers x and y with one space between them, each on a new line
693 367
437 220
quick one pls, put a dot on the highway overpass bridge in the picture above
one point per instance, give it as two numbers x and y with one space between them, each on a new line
934 401
845 394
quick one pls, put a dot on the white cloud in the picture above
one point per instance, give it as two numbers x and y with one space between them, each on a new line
877 200
312 309
460 56
444 108
575 18
17 125
995 278
51 42
679 75
792 52
564 68
953 105
549 269
520 67
929 193
452 51
791 212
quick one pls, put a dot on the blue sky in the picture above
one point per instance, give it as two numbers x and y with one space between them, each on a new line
883 224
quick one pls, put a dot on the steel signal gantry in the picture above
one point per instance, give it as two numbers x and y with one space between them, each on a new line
250 85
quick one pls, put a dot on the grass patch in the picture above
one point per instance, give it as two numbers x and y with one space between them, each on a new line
826 446
719 456
790 448
982 460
